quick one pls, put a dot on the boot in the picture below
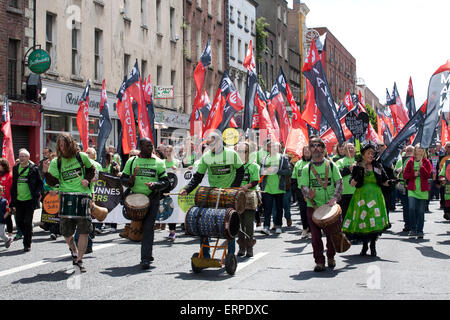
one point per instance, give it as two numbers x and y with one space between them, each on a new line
250 244
364 249
124 233
242 247
373 251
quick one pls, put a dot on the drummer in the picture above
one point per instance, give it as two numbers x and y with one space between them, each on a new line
250 181
311 183
146 174
225 170
74 172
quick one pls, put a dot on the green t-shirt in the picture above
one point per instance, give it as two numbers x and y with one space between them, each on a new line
221 167
418 193
170 164
258 156
251 174
445 184
341 164
23 190
297 172
272 180
71 174
150 170
309 180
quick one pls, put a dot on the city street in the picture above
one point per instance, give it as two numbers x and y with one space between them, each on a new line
282 269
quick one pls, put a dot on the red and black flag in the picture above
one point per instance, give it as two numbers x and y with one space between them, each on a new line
410 102
83 117
252 83
105 127
399 112
148 100
266 127
438 99
311 114
313 70
226 103
125 112
7 148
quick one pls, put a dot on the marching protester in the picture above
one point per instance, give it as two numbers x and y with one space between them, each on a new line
402 186
54 228
366 217
6 180
73 171
25 195
321 183
126 230
443 180
146 174
274 169
297 174
225 170
171 164
338 152
346 165
250 181
4 214
417 172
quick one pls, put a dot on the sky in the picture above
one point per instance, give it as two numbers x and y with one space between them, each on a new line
390 40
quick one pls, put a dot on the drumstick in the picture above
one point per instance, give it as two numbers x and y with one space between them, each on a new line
171 194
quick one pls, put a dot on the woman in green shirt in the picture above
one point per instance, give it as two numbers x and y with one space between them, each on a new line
296 174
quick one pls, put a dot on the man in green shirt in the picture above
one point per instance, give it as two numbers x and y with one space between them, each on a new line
319 189
25 194
73 171
146 175
225 170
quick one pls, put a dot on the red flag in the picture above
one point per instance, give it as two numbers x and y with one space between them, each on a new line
361 98
233 123
266 128
298 136
7 149
83 117
147 90
348 101
277 103
249 61
125 111
329 138
312 114
444 131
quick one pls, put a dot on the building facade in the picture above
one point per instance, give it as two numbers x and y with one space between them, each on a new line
16 33
241 30
276 54
99 40
339 66
369 97
203 20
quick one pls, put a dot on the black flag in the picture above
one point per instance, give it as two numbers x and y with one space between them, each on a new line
105 127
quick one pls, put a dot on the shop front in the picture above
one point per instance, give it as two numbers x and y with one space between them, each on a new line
171 126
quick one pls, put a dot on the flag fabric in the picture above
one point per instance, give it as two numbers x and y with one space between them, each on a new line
196 120
125 112
134 88
438 99
410 102
329 138
298 135
393 150
444 131
206 105
226 103
83 117
399 112
148 102
250 95
105 127
266 128
7 148
313 70
311 114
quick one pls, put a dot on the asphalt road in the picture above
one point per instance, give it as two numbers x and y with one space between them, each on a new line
282 268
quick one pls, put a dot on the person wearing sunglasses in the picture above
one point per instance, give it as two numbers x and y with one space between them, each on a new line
321 183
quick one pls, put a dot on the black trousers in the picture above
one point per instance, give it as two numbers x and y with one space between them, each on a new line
303 206
148 232
24 220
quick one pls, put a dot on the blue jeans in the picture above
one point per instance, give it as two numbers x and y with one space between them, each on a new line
404 199
416 213
286 206
268 202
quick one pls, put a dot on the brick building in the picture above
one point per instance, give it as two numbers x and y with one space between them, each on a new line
339 66
203 20
17 36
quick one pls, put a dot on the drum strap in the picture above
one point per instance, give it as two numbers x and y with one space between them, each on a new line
323 183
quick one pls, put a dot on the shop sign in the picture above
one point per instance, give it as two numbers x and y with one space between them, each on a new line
39 61
164 92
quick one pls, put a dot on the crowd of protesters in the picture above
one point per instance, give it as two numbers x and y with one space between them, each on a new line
353 178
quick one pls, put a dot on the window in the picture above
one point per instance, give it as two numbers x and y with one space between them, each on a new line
172 23
75 50
199 4
252 26
143 69
280 51
239 50
158 75
98 54
219 55
246 23
50 37
239 19
13 48
173 75
231 46
144 12
246 50
219 10
210 7
126 9
13 4
285 49
187 48
231 14
198 40
126 62
279 12
158 16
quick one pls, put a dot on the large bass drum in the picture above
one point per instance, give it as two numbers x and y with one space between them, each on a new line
210 222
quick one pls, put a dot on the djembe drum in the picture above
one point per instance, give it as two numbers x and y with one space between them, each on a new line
328 218
136 207
135 233
228 198
251 201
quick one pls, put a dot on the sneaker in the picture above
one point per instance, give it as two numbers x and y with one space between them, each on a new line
278 230
412 235
8 243
273 228
53 236
88 250
319 267
331 263
266 231
145 265
26 249
420 235
17 237
289 222
258 224
304 234
81 266
309 235
172 236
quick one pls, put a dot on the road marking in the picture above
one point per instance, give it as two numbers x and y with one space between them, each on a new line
47 261
242 265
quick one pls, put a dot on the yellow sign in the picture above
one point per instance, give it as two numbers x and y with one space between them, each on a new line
230 136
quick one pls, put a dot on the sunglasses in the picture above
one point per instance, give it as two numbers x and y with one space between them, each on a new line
316 145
